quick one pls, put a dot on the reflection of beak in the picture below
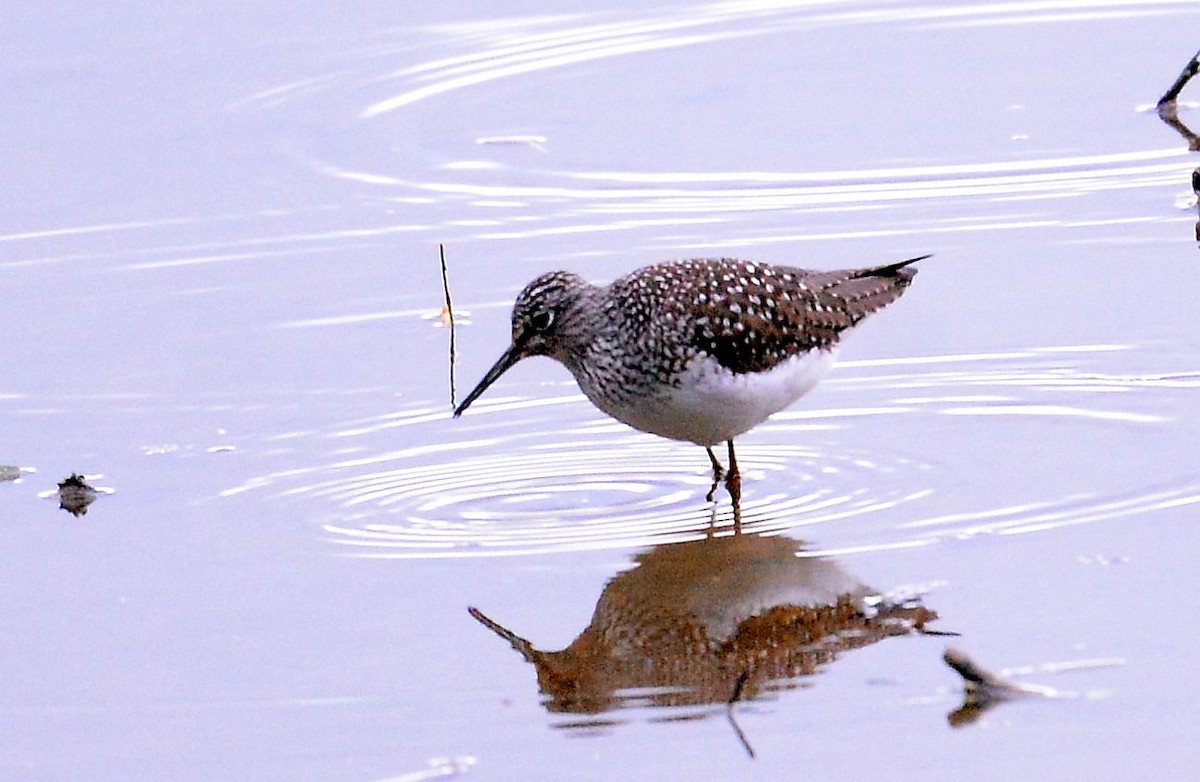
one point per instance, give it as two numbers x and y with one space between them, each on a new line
510 357
522 646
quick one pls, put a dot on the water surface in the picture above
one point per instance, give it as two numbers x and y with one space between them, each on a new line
220 249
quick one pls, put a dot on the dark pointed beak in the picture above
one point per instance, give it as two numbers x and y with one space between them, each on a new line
510 357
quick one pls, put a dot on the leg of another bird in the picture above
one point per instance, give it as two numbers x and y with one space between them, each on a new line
718 473
733 482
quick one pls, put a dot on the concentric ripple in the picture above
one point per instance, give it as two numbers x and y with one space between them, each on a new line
494 485
502 50
614 490
494 184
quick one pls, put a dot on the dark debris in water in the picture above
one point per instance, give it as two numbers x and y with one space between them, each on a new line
1172 93
984 689
1168 112
75 495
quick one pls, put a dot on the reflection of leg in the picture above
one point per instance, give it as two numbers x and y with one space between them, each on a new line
711 532
718 473
733 482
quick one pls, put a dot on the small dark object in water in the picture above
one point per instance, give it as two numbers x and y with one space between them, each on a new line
1189 70
984 689
1168 112
75 495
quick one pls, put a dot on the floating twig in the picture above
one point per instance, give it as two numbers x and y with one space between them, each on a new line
1189 70
984 689
1168 109
1168 112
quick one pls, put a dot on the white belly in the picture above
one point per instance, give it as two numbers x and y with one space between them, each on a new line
712 404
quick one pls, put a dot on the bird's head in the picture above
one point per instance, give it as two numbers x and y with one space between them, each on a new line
537 318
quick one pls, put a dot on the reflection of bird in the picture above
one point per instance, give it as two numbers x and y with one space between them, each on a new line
696 350
709 621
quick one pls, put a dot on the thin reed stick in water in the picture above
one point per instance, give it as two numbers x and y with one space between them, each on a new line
448 314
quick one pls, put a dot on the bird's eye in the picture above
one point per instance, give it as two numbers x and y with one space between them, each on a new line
541 321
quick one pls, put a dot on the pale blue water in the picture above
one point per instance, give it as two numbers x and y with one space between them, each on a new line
219 248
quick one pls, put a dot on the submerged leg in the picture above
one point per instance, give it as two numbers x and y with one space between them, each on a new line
718 473
733 482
